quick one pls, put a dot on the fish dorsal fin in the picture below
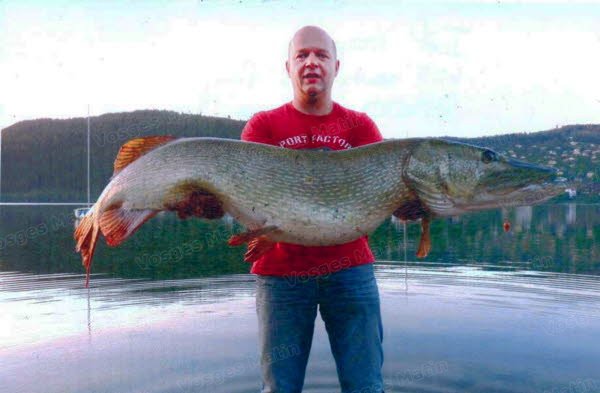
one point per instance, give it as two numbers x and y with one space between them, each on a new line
135 148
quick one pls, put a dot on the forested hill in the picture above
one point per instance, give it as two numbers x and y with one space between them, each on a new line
574 150
45 159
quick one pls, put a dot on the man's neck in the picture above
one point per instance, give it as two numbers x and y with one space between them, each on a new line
317 106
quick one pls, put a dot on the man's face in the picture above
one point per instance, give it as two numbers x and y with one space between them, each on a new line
312 63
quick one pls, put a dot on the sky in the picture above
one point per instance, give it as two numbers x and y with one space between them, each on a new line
417 68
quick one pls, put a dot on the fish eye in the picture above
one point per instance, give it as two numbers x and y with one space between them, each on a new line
488 156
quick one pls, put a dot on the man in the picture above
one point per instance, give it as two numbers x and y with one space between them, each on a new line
293 280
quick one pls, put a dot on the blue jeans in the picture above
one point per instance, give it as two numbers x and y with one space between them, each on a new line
349 304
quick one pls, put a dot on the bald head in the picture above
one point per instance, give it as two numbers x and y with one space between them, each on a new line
312 65
315 35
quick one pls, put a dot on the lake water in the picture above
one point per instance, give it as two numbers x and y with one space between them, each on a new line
172 309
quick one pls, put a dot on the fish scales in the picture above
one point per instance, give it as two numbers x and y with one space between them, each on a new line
312 198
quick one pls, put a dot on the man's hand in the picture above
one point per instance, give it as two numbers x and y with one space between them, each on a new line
200 204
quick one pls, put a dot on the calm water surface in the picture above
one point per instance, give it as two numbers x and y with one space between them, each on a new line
172 310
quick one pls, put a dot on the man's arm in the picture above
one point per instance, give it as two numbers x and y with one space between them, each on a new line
369 133
257 130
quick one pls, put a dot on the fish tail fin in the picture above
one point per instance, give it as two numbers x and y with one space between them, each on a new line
86 235
116 224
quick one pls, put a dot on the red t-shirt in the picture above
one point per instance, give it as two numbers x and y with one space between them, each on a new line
289 128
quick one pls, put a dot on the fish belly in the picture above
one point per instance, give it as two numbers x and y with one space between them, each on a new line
310 226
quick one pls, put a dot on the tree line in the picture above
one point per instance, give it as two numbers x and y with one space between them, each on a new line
45 160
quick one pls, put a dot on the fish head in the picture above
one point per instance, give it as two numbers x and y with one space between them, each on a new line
452 178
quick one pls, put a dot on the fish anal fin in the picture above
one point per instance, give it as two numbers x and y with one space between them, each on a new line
118 224
135 148
246 237
257 247
425 242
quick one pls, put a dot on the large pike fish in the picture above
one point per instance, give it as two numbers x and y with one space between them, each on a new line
313 198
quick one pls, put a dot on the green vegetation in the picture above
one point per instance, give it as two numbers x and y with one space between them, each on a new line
557 238
573 150
45 160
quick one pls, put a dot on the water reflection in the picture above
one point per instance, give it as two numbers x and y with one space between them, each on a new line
523 216
546 238
571 214
565 237
39 307
448 328
171 309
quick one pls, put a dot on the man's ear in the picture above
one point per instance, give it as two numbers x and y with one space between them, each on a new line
287 67
337 67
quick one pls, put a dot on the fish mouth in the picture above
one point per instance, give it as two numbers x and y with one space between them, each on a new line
519 176
443 205
525 196
528 165
533 170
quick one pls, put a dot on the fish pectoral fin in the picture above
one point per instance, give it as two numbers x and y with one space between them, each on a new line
198 203
248 236
119 224
137 147
257 247
425 242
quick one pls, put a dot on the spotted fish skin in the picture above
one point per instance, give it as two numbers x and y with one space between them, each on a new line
307 197
313 197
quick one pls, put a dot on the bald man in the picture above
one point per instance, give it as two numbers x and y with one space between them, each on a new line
293 281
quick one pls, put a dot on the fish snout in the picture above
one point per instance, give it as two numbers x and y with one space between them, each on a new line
514 175
540 170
